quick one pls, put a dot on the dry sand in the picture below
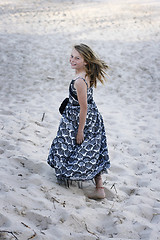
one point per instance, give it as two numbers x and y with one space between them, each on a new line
36 38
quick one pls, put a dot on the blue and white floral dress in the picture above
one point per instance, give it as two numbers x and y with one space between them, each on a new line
70 160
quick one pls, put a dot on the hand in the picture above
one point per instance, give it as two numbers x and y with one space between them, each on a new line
80 137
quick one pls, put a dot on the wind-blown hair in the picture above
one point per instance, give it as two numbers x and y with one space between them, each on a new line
95 67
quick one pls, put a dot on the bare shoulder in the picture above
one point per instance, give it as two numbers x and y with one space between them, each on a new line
80 84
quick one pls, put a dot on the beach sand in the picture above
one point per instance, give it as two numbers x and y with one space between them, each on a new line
36 38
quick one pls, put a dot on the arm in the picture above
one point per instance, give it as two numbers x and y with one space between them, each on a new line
82 99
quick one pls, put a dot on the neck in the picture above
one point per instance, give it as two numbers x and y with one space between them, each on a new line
80 72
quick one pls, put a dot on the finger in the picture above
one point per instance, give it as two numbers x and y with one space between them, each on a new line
79 142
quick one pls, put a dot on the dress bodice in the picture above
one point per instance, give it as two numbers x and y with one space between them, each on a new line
73 99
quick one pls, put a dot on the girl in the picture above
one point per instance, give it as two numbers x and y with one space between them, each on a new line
79 151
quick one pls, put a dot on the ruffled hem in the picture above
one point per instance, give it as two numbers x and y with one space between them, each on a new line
67 181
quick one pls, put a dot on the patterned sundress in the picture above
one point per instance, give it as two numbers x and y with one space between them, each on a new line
70 160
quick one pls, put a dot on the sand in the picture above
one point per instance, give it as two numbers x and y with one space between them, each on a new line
36 38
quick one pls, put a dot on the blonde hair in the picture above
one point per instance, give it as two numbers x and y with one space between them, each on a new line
95 67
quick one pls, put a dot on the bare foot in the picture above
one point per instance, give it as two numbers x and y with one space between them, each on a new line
97 194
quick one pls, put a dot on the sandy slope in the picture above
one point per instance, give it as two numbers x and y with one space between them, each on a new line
35 42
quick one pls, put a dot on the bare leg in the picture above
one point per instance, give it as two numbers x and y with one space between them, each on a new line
99 191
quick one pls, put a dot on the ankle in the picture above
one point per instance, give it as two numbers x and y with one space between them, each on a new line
99 187
98 180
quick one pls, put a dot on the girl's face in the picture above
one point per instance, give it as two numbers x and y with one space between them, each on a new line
77 61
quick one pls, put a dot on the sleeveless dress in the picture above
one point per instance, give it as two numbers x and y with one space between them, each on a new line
70 160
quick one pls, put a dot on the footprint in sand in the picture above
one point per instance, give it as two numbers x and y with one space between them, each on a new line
129 190
118 169
132 151
33 167
4 112
3 143
4 221
139 168
1 151
41 221
5 146
3 188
